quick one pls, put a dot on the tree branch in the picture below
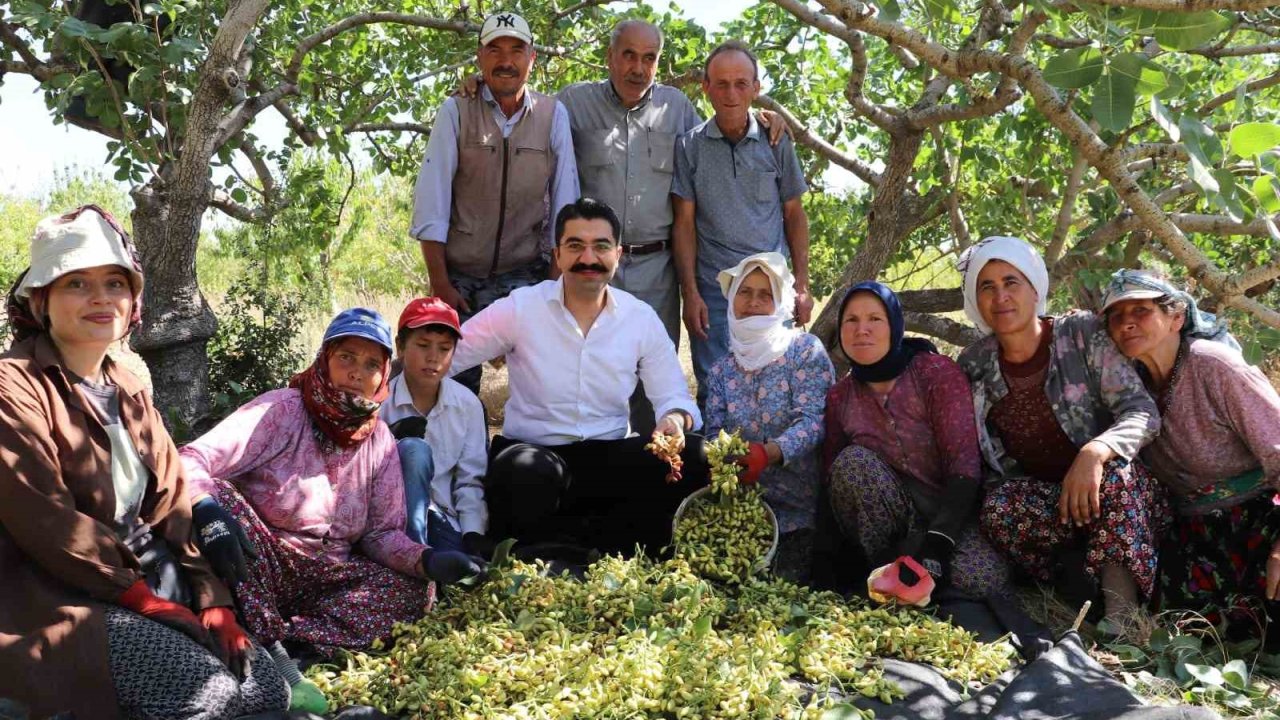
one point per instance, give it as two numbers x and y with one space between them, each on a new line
419 128
1189 6
1067 211
1250 87
932 301
580 6
808 138
371 18
10 37
1237 50
940 327
856 15
244 112
222 201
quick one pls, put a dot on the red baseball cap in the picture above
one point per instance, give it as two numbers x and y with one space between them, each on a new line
429 311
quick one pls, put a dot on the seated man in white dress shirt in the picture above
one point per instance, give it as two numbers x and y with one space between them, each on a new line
566 467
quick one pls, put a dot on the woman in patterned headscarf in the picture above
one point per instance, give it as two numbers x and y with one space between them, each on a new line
1061 416
108 608
299 503
1218 452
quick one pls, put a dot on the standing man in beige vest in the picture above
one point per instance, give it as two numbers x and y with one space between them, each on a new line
480 204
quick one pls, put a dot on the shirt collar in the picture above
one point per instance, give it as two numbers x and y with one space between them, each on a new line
644 99
555 294
753 128
46 356
402 398
487 95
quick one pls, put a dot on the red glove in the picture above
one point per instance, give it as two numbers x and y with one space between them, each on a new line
228 639
886 583
753 463
141 600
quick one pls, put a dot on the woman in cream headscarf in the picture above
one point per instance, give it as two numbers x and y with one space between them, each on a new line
771 388
1061 416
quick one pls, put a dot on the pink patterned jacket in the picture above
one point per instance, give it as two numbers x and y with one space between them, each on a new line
322 505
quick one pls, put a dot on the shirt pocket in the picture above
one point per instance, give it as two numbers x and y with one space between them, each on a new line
531 159
596 149
766 186
662 151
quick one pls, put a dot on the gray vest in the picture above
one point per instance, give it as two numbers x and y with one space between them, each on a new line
498 218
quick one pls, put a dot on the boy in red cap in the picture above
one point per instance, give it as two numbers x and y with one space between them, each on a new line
440 433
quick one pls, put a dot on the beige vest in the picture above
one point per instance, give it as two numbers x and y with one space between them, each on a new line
498 221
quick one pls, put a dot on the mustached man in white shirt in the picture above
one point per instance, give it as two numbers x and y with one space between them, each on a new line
566 467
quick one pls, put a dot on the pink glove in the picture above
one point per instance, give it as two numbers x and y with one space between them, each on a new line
753 463
886 583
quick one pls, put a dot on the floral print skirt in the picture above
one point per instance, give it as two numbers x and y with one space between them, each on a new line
873 508
1020 517
292 596
1216 564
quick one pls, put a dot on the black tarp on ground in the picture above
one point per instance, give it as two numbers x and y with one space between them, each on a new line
1058 680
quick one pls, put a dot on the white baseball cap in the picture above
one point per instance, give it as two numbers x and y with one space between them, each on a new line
505 24
78 240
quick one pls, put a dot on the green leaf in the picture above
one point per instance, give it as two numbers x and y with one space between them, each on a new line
1204 150
1184 31
1174 87
1227 198
1266 189
239 195
1165 119
1205 674
76 28
1113 100
1148 77
1159 640
702 626
890 10
1076 68
1236 673
1129 654
1254 138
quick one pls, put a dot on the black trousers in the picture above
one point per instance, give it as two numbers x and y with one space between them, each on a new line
611 495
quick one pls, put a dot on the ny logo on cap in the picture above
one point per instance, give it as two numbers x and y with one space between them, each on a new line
506 21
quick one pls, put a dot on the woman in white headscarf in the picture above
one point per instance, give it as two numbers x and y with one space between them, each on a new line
1061 417
771 388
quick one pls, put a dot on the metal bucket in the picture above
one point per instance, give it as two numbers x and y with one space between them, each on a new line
766 560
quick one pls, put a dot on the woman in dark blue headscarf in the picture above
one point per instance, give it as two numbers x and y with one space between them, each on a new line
901 450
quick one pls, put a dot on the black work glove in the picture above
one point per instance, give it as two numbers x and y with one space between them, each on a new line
450 566
410 427
934 555
222 541
478 544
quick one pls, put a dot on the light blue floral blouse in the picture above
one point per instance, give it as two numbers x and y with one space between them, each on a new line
1094 392
783 402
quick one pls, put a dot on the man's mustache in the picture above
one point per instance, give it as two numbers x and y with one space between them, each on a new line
506 72
583 267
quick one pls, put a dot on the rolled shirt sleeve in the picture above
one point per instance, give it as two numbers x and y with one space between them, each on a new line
664 382
433 192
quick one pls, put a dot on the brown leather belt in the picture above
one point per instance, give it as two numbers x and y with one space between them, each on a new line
645 249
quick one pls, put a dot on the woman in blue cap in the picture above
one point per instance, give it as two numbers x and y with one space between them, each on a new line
298 501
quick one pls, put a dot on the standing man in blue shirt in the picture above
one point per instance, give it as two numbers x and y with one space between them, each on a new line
733 195
480 203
